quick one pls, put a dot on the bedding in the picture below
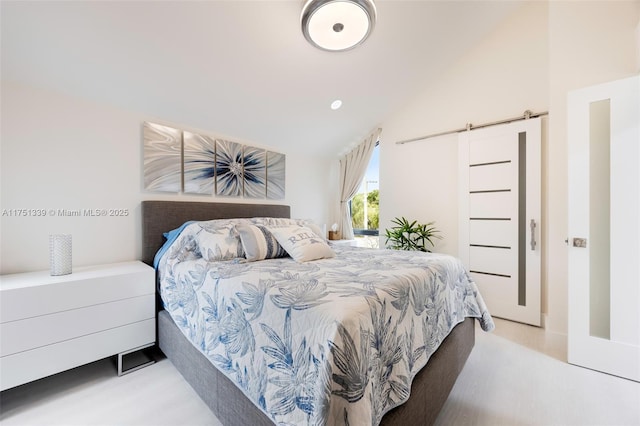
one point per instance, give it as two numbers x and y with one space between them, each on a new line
223 239
331 341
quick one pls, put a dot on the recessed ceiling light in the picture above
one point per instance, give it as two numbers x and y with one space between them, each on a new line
336 104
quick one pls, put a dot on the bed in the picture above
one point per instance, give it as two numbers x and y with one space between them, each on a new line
241 386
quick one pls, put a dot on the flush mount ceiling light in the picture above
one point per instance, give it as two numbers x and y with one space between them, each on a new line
336 25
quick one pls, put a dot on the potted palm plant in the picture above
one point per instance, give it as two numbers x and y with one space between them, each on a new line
407 235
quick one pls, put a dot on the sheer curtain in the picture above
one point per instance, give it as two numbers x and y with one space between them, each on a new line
353 167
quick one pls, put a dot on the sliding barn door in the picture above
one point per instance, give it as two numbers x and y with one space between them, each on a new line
604 227
499 216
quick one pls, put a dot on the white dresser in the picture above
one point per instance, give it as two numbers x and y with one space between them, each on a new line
49 324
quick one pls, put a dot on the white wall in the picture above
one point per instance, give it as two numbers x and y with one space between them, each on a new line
530 62
589 43
503 76
60 152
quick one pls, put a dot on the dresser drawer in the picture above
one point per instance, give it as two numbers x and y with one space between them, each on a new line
30 333
38 293
34 364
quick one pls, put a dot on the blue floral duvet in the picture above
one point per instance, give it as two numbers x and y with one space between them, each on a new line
334 341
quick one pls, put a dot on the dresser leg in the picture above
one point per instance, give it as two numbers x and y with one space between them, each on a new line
134 359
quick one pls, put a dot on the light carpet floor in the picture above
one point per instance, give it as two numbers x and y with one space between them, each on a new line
516 375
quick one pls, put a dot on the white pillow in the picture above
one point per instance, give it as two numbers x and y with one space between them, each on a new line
259 243
302 243
218 239
281 221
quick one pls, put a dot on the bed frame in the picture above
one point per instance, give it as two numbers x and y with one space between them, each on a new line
430 387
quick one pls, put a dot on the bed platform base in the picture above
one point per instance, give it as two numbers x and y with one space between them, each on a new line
429 390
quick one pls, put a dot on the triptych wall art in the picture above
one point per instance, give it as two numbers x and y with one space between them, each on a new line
177 160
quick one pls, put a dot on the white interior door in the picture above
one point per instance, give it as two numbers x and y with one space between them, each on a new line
499 216
604 227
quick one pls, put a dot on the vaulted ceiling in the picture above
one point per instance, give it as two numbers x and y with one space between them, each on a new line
239 68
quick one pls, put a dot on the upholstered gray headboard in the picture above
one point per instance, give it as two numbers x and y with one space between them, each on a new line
162 216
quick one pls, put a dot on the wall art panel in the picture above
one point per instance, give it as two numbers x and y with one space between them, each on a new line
162 158
275 175
228 168
255 172
199 163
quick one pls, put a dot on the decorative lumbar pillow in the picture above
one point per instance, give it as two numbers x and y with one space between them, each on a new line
302 243
259 243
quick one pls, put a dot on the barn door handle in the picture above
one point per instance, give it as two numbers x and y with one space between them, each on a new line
532 225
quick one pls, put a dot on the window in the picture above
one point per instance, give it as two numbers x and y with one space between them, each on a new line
365 204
